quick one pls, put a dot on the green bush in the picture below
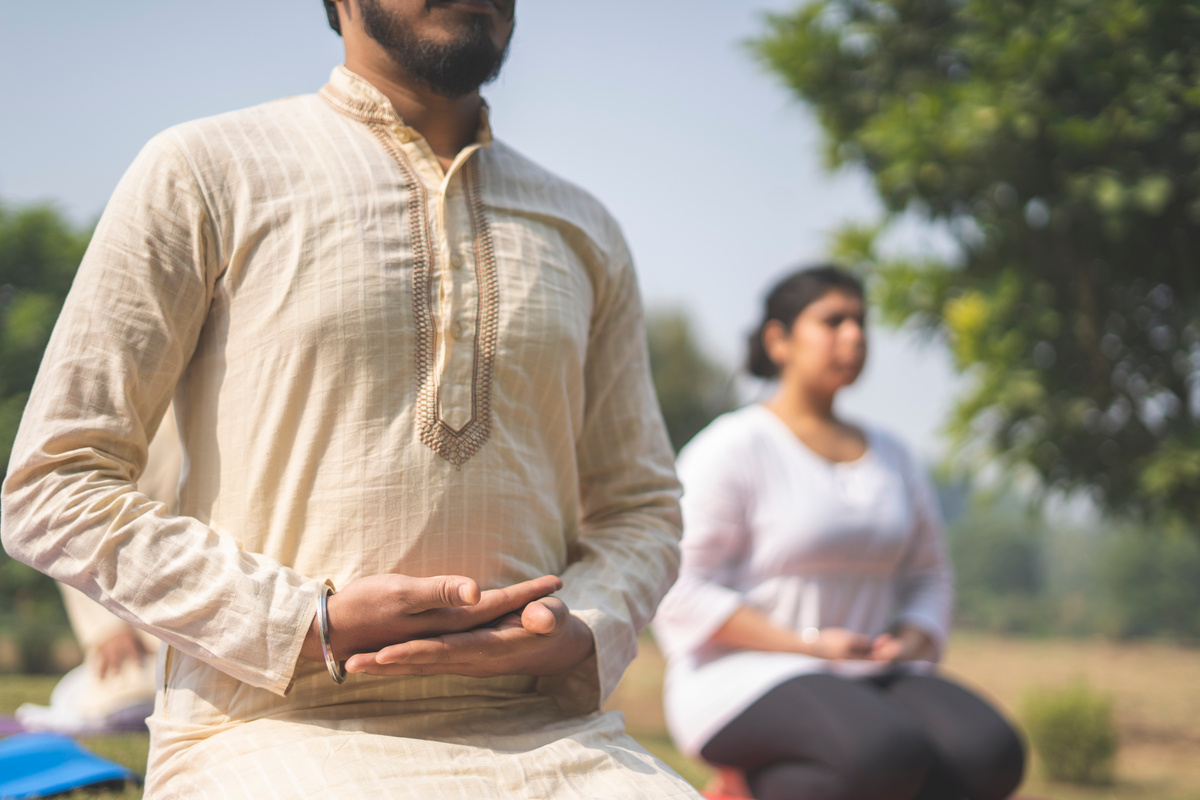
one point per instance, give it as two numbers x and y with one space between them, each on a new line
1073 731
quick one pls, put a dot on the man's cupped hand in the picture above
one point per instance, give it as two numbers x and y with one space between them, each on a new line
399 625
540 639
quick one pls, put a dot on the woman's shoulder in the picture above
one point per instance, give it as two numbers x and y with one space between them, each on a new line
729 443
732 432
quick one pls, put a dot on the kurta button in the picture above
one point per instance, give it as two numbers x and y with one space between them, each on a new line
456 260
459 328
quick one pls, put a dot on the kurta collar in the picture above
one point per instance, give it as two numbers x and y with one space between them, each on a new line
354 96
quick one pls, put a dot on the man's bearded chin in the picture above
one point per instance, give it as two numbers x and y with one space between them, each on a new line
451 69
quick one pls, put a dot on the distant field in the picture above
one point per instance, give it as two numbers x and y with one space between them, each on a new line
1156 688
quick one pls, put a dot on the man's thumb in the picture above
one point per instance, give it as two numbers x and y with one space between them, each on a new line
446 591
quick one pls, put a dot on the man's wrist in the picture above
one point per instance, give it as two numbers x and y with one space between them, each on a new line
337 670
311 649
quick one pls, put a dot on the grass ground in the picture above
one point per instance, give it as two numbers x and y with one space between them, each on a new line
1155 687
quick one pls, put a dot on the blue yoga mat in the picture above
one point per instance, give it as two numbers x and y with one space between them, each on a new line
40 764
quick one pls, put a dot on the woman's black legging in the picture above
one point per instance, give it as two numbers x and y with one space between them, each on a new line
890 737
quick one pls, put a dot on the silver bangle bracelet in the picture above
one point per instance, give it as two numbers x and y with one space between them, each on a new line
337 670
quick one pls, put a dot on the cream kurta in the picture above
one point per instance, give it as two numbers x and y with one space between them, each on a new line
376 367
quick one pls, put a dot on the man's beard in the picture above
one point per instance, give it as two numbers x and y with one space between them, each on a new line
452 69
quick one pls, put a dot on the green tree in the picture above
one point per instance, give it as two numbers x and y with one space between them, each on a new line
39 254
1058 143
692 389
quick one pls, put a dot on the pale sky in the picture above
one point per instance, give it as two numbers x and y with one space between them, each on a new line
654 106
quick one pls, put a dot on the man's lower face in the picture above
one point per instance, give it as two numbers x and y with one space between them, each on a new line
450 46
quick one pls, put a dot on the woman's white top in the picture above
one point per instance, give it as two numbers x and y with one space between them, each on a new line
770 524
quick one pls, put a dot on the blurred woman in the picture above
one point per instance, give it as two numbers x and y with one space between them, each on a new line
815 593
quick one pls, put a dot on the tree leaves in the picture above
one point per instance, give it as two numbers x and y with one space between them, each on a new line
39 254
691 389
1057 142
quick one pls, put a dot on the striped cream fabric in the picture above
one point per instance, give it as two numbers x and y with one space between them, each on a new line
375 367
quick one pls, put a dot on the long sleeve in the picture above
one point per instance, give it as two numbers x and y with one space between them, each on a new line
629 496
71 507
90 622
714 512
925 579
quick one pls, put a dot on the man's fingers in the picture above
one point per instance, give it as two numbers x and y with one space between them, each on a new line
380 610
470 669
443 591
470 646
498 602
521 594
506 648
421 651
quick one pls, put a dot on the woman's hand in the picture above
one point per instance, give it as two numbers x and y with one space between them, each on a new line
371 613
839 644
117 650
906 644
749 629
543 639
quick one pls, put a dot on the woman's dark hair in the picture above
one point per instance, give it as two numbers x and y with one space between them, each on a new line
785 302
331 12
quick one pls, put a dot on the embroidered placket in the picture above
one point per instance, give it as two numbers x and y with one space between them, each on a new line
455 290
